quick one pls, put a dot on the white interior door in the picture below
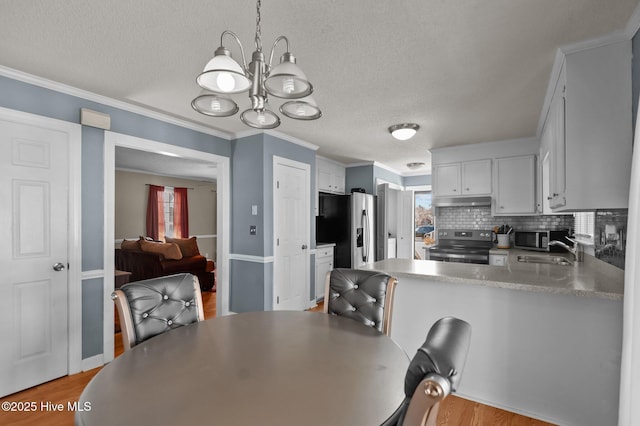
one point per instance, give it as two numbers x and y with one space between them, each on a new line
34 181
292 209
406 238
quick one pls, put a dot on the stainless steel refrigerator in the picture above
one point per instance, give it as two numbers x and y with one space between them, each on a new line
348 221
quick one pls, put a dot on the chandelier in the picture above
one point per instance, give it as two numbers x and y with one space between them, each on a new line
223 76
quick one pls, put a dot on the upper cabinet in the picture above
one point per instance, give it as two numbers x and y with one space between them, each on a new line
587 136
446 179
462 178
515 186
331 176
476 177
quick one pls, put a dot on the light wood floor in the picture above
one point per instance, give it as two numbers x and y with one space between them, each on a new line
454 411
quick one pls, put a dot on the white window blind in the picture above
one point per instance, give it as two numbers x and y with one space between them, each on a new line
584 223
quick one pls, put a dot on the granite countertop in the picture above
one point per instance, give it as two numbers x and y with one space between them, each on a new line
591 278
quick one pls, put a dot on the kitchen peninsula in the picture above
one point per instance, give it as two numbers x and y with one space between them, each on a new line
546 339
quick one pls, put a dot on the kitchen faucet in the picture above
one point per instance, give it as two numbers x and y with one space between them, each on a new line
577 250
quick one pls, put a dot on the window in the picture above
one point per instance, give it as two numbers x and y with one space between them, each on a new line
584 223
167 212
169 201
424 222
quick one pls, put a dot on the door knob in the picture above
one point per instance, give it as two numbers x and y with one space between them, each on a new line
304 247
58 267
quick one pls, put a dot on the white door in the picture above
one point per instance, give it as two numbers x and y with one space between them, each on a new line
33 260
406 232
291 234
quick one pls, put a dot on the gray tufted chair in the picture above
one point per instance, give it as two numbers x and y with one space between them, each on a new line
151 307
434 372
364 296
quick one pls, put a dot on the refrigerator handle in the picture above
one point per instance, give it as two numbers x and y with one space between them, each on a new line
365 243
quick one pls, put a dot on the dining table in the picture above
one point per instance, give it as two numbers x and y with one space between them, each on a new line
266 368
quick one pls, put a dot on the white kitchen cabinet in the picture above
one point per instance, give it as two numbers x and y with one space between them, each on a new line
324 264
476 177
588 131
330 177
463 178
446 180
515 186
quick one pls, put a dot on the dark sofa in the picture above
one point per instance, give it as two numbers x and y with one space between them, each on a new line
144 265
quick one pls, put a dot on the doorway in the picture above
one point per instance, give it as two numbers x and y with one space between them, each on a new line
221 173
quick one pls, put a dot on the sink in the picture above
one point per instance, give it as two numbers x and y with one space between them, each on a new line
549 260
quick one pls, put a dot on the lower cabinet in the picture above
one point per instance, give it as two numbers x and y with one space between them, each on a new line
324 264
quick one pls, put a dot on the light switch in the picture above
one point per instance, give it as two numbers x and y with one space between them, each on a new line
254 210
252 230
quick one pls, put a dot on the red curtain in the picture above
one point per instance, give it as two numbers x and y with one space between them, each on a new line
155 212
180 213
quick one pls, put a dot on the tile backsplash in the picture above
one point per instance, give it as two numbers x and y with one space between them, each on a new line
480 218
610 227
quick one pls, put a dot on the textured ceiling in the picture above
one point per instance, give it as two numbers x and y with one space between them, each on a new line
466 71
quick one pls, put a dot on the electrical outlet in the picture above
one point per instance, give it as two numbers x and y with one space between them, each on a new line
253 230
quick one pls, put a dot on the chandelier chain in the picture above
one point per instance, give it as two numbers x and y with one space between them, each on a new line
258 29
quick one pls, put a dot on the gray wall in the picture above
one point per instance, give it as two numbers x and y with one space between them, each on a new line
360 177
367 175
386 175
252 184
417 180
33 99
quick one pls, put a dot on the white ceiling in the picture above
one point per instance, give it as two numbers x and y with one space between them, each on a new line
164 165
466 71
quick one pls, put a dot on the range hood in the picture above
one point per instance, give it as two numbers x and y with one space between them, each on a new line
461 201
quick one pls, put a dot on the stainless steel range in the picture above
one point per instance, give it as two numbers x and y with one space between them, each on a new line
462 246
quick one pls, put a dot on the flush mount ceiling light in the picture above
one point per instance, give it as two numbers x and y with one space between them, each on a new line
403 131
415 165
223 76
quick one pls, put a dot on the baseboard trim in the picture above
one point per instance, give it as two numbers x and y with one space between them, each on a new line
250 258
92 362
90 275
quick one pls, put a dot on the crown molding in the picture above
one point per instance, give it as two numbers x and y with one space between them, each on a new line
104 100
292 139
423 172
276 134
331 160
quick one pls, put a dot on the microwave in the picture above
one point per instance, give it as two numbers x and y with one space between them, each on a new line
539 240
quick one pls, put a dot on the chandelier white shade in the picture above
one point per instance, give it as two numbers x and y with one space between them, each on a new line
224 76
302 109
215 105
260 119
287 80
403 131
